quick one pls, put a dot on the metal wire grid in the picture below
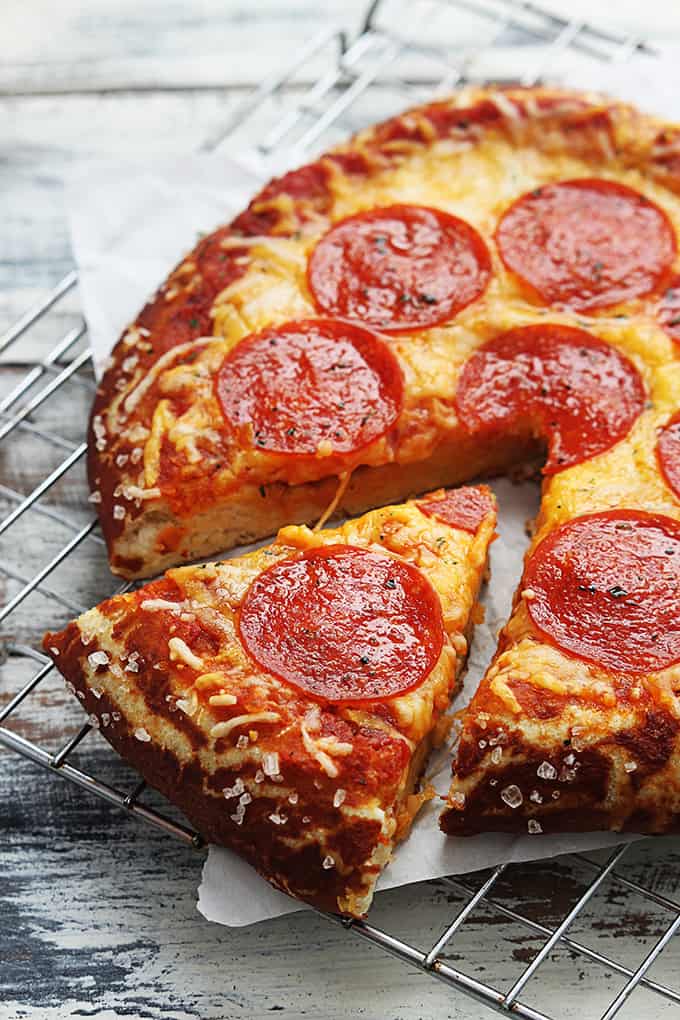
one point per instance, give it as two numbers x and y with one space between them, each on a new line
381 58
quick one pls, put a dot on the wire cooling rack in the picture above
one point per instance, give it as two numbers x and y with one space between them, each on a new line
397 58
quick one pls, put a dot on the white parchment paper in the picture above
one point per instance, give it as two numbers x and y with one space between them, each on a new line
130 224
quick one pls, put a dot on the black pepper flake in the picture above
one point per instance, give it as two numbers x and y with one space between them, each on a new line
617 592
263 492
428 299
675 321
390 583
290 431
364 660
194 323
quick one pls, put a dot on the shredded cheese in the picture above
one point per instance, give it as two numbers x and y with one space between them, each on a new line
223 729
180 652
321 748
134 397
222 700
153 604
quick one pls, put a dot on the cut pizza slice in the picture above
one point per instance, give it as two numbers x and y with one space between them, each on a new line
286 700
576 724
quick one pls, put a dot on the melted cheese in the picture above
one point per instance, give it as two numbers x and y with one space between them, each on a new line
477 181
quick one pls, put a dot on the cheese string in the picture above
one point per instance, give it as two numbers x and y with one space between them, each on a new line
343 482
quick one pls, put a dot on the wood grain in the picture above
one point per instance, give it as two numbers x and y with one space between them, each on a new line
97 911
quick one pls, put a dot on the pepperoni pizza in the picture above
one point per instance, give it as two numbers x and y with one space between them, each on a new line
469 287
286 700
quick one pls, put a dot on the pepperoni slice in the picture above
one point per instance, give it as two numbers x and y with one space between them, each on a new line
606 588
343 624
559 382
668 311
668 453
312 382
399 268
587 243
463 508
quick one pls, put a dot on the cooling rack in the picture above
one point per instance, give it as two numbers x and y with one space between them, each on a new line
403 53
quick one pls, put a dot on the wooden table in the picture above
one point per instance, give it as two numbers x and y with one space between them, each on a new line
97 911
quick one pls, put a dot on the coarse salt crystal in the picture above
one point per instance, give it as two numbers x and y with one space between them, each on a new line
534 827
328 862
278 819
546 771
293 798
95 497
570 759
234 791
118 512
106 719
93 721
97 692
339 797
270 763
98 659
630 766
496 755
458 799
259 776
306 819
536 797
244 799
141 734
512 795
54 650
242 742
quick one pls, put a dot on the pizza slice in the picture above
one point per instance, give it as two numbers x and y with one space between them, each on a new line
286 700
576 724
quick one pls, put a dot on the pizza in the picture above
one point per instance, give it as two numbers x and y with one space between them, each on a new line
484 284
307 356
286 700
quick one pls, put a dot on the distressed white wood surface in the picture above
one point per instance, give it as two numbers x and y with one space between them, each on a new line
97 912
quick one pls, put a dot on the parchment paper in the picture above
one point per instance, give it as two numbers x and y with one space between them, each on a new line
130 224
